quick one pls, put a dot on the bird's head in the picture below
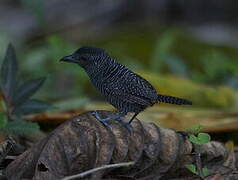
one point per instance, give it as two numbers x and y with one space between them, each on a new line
85 56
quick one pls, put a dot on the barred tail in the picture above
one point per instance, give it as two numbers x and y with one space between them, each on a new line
173 100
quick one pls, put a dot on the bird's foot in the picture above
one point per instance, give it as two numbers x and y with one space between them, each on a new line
104 121
113 117
126 125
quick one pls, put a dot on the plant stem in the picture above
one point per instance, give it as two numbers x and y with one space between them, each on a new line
198 159
81 175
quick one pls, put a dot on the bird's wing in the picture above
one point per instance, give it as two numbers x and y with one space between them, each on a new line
130 98
142 88
133 89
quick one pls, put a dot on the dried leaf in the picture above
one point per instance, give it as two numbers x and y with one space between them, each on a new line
6 147
26 90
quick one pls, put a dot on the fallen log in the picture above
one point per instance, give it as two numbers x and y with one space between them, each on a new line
83 143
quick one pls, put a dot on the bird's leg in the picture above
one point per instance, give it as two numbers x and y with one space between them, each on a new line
128 124
112 117
116 117
133 117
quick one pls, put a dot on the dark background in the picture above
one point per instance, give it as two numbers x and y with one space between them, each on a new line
184 48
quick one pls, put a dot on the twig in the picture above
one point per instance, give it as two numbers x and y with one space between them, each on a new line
81 175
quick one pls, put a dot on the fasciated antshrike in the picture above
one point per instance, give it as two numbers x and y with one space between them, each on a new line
124 89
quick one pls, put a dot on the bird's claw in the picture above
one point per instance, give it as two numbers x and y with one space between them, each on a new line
102 120
126 125
106 120
95 113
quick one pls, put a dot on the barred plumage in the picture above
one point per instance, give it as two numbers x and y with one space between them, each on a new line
124 89
173 100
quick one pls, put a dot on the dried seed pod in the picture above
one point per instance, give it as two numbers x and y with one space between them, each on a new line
83 143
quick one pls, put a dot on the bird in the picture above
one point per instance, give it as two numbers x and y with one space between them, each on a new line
127 91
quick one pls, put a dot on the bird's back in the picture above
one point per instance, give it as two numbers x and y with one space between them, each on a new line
123 88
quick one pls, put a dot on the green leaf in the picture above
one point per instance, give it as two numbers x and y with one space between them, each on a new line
9 70
192 168
26 90
205 171
204 138
31 106
193 139
3 105
22 128
196 129
3 120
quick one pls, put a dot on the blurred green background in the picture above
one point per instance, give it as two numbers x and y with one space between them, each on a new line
185 49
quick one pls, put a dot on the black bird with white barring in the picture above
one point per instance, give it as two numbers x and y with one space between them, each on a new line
124 89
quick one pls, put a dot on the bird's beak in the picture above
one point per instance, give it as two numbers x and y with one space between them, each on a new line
69 58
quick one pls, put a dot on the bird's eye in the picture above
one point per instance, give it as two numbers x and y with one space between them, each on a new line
83 58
